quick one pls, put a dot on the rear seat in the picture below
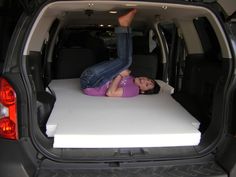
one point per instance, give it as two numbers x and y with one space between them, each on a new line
72 62
98 47
144 62
74 57
76 51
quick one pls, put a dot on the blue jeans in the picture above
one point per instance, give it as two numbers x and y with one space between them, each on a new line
97 75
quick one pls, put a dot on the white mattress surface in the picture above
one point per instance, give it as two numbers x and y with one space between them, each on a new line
81 121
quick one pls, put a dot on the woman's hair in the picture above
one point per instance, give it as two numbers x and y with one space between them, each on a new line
154 90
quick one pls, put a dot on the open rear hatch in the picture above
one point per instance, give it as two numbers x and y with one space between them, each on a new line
84 133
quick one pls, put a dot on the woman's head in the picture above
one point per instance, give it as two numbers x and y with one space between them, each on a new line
147 85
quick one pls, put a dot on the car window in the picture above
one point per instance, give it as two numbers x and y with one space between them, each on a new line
208 38
10 11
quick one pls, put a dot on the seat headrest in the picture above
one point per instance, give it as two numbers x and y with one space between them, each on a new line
140 45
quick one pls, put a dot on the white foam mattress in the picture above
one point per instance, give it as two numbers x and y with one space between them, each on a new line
81 121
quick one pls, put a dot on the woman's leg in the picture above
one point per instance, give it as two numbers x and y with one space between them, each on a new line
101 73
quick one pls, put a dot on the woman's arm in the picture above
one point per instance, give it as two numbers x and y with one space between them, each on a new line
114 90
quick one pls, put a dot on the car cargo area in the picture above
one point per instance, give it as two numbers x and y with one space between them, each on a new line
181 46
81 121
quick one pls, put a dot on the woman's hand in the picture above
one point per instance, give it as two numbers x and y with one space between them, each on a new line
125 73
114 90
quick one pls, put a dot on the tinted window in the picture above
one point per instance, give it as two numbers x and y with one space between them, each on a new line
209 41
176 54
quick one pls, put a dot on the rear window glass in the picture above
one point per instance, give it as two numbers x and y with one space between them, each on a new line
207 37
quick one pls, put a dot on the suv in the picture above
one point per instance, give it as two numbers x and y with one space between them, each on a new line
47 128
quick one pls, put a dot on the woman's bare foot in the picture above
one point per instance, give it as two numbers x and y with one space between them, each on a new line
126 19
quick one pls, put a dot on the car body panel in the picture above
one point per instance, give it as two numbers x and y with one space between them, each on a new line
31 159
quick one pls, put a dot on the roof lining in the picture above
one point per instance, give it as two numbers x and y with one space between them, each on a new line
163 10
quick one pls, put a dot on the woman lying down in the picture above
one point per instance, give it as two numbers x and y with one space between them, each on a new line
112 78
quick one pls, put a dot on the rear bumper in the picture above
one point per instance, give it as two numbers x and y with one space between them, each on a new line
15 160
206 169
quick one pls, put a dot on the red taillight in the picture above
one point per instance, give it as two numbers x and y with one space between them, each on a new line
8 111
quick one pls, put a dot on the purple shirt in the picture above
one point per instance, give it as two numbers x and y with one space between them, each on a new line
130 89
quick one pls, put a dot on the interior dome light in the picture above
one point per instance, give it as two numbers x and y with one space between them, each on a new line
113 12
131 5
